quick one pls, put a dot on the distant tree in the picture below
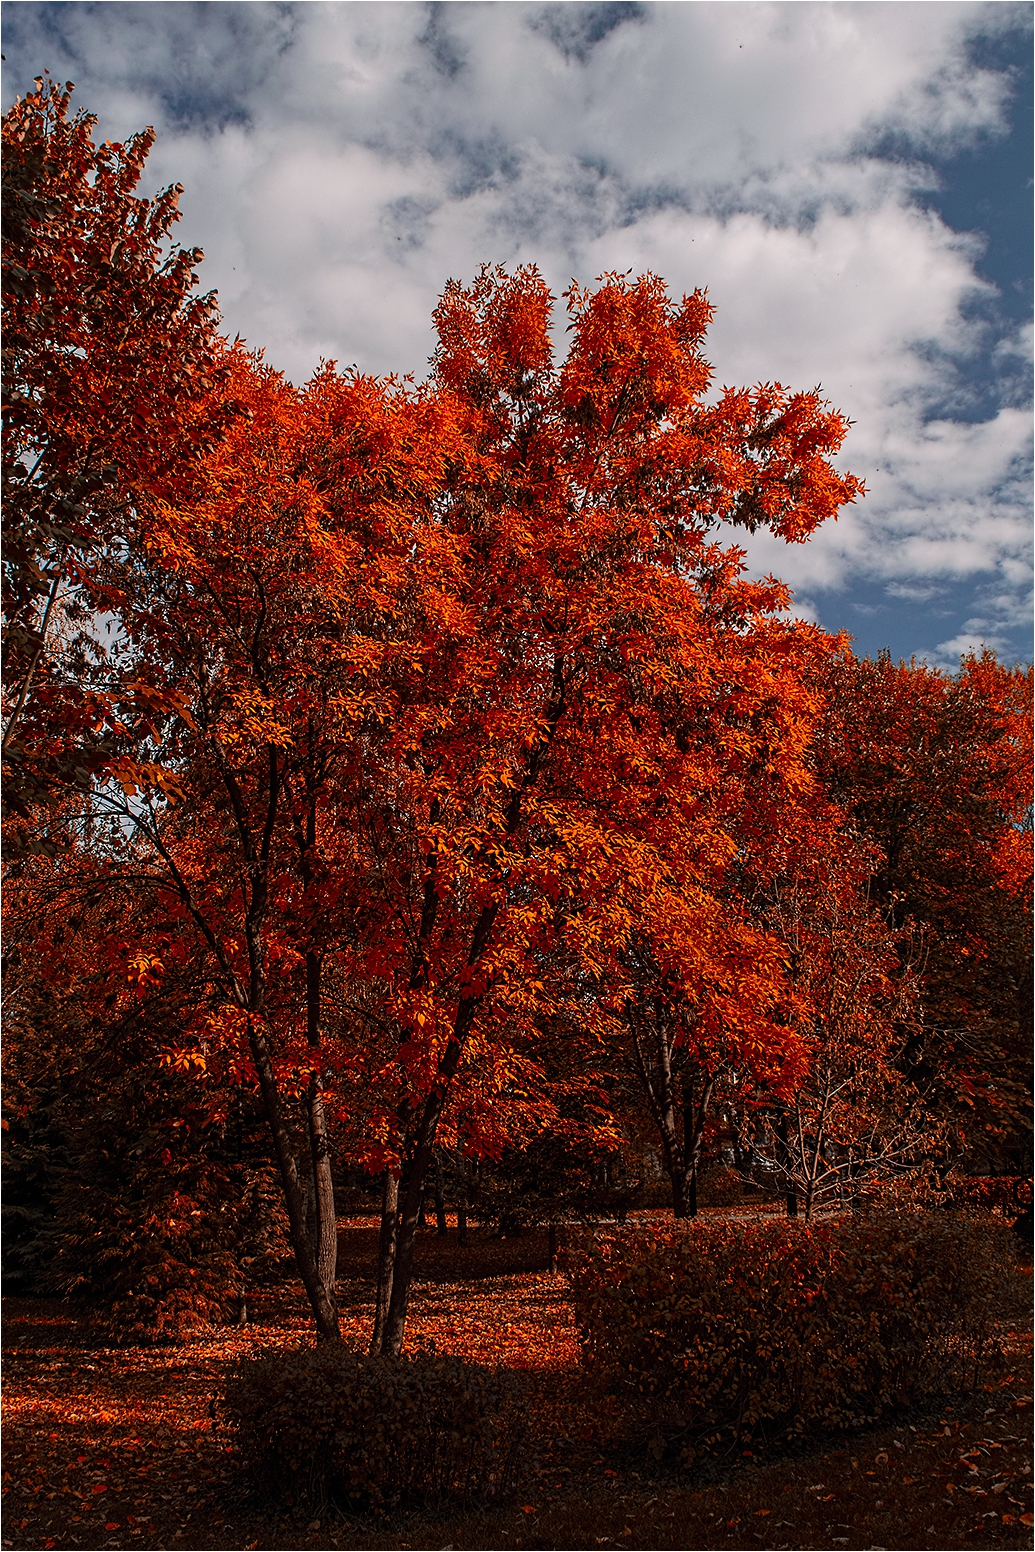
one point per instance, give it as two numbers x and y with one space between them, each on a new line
933 770
851 1118
553 1180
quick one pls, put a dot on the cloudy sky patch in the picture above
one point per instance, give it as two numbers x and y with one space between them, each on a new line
851 182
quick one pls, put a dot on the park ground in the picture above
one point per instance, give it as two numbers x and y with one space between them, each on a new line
119 1448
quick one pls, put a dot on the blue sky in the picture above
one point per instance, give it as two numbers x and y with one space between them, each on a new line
852 182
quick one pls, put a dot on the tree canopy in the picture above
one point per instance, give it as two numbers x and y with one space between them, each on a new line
438 757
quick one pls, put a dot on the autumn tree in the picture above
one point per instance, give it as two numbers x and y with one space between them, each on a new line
236 594
584 709
934 772
712 1013
105 353
262 816
849 1118
127 1185
385 626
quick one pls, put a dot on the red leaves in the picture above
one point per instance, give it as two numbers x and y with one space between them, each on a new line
433 706
935 773
108 361
414 612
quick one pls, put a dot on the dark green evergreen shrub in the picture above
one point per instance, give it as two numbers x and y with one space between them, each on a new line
737 1331
328 1427
143 1235
34 1159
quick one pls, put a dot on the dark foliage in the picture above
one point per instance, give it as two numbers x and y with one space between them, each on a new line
552 1180
734 1332
331 1427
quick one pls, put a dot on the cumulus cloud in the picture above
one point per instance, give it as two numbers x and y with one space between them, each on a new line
342 160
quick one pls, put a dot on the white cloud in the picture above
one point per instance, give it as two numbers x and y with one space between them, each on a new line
341 161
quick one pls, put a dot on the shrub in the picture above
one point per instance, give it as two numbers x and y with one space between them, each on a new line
551 1180
141 1242
332 1427
733 1332
141 1194
719 1186
155 1232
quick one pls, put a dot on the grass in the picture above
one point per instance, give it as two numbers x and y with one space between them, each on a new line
118 1447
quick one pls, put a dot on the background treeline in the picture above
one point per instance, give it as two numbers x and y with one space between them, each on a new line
405 784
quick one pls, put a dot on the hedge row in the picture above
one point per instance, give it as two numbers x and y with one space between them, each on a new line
331 1427
745 1331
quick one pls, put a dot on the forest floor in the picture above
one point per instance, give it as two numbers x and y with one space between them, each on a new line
118 1448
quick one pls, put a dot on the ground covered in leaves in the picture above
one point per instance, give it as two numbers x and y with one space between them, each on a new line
117 1448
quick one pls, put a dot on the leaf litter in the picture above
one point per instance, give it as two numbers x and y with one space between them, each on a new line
116 1448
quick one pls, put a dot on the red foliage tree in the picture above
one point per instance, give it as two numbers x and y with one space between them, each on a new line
596 691
461 698
934 772
442 692
106 355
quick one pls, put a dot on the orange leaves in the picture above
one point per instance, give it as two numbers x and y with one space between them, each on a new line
934 772
134 776
634 357
554 716
624 418
144 970
185 1061
156 701
494 334
457 703
112 372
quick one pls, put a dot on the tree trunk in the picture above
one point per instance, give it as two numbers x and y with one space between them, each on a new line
553 1250
411 1192
421 1143
681 1155
418 1156
660 1091
743 1157
695 1112
321 1295
325 1227
441 1227
385 1256
461 1205
784 1156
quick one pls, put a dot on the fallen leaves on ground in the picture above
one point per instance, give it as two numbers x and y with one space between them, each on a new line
116 1448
